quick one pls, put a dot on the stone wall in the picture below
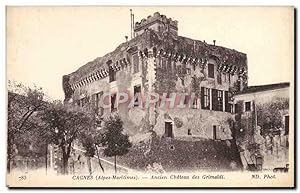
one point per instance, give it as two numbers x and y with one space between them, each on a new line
133 118
173 78
183 155
200 122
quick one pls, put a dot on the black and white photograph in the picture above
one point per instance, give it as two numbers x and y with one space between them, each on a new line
162 96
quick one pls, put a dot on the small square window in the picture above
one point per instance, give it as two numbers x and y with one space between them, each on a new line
248 106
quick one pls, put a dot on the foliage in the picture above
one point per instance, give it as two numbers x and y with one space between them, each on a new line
90 140
196 82
23 102
63 123
178 122
269 115
87 141
235 88
116 143
23 124
165 81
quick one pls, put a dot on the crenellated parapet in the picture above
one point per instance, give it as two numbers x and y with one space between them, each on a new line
195 60
152 43
175 55
101 73
157 22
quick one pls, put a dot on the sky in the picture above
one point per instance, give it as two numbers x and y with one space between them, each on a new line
45 43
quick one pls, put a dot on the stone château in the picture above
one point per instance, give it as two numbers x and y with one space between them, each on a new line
158 60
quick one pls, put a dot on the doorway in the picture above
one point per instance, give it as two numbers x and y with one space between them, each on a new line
169 129
214 132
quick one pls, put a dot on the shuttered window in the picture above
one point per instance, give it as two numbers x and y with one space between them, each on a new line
214 99
205 98
248 106
227 104
220 100
237 108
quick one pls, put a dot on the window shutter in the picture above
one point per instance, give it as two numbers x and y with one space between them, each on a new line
237 108
214 99
202 97
227 105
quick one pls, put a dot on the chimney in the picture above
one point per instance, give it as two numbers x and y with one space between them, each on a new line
131 24
214 42
126 37
133 34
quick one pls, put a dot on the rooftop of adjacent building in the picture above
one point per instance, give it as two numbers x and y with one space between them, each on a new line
266 87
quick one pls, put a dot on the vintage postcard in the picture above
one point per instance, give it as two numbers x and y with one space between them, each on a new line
114 96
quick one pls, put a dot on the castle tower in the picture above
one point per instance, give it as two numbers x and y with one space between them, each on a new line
157 22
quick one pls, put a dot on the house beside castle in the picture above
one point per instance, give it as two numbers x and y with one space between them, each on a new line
262 125
195 82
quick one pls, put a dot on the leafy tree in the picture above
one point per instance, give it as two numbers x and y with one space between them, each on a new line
114 141
93 135
90 141
23 104
97 142
234 143
63 124
269 115
88 144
